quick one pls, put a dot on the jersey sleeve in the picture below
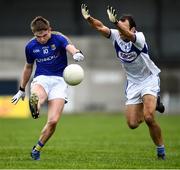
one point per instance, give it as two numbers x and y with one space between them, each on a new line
140 40
68 40
29 57
62 39
113 34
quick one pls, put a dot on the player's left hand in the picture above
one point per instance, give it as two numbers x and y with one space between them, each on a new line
112 14
19 95
78 56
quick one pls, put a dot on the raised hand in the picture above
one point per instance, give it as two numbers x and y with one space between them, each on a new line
112 14
85 11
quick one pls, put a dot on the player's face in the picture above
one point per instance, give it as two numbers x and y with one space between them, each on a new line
43 36
126 24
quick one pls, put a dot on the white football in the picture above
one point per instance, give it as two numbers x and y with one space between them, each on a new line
73 74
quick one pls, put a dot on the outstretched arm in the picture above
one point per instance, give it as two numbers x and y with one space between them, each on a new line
95 23
121 26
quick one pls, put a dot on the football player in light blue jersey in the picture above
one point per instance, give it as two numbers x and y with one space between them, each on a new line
142 74
48 50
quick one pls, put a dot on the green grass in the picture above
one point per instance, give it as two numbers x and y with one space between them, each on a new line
95 141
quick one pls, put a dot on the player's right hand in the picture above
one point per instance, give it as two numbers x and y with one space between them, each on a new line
19 95
85 11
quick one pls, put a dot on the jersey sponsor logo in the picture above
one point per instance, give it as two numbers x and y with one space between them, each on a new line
126 51
40 60
127 57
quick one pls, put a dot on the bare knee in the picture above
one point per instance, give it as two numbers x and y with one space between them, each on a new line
133 125
149 119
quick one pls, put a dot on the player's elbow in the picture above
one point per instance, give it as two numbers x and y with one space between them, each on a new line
99 28
103 31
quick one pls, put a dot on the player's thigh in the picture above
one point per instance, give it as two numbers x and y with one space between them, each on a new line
149 94
59 89
55 109
149 102
134 112
40 91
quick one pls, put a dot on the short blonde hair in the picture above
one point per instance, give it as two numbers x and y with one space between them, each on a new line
39 24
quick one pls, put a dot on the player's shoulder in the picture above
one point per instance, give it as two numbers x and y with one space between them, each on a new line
140 40
140 34
60 36
56 33
114 34
30 43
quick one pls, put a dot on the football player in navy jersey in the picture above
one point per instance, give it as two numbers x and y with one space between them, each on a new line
48 50
143 84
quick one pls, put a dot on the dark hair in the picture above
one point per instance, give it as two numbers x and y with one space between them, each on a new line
130 19
39 24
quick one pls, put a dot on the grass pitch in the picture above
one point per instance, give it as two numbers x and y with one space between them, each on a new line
88 141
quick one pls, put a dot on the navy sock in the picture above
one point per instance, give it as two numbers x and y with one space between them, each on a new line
39 146
161 150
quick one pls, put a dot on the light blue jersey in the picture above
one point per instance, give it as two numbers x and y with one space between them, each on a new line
50 58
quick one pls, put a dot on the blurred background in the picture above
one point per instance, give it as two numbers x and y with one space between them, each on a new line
103 86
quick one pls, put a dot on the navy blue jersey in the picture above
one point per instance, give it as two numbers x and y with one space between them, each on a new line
50 58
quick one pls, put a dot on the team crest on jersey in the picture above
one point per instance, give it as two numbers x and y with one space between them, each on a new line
53 47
